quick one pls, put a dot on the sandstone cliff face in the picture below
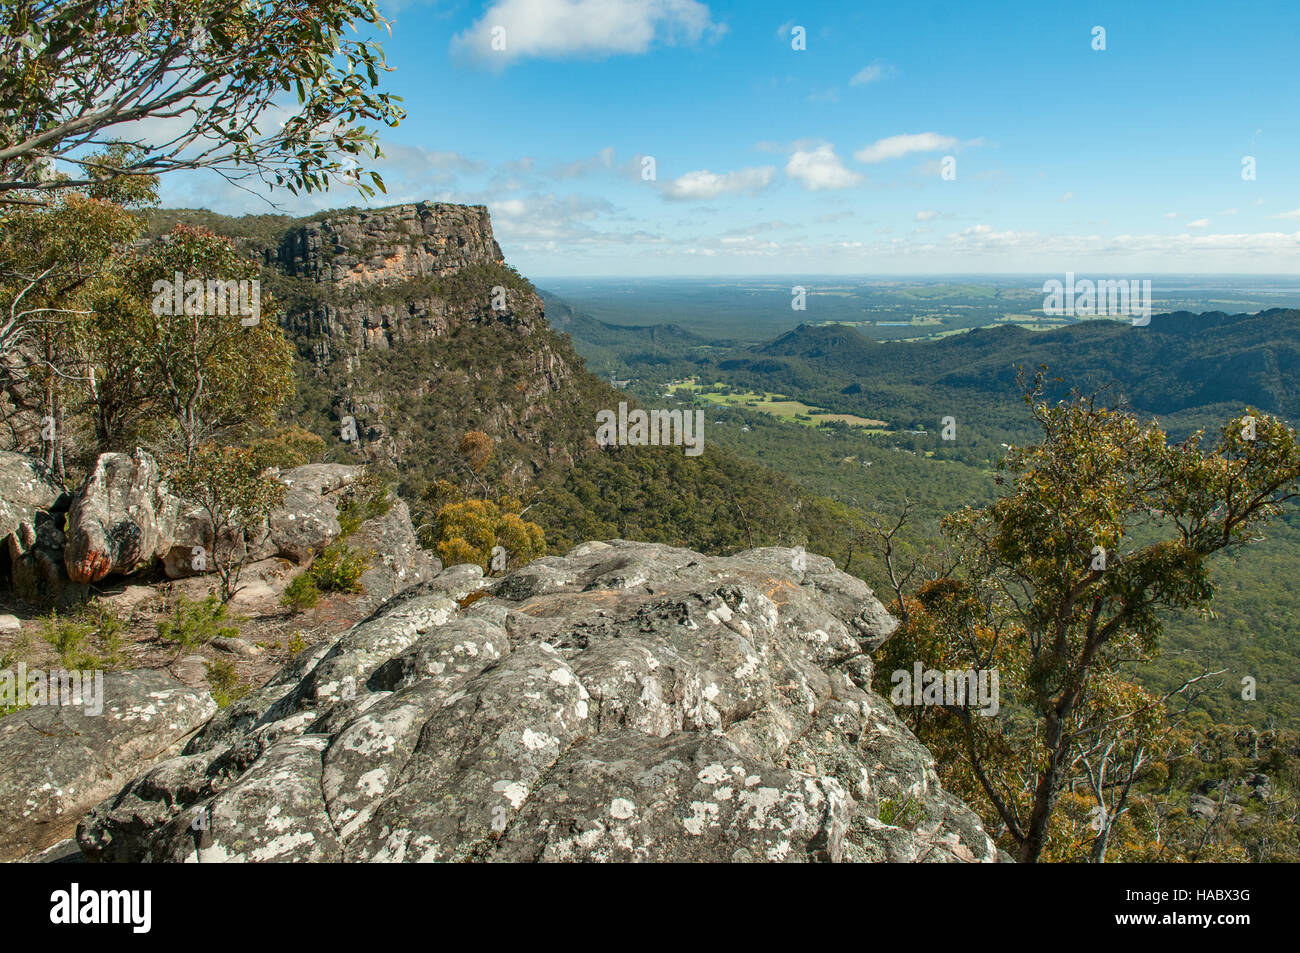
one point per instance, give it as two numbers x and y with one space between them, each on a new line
404 241
627 702
394 309
377 277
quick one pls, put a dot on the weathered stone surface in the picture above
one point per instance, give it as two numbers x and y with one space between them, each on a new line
303 525
192 547
626 702
123 517
402 241
120 518
396 561
37 572
26 485
59 761
320 478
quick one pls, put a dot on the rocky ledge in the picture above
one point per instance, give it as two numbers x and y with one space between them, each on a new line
628 701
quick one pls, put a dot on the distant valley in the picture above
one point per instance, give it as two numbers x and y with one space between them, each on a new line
774 401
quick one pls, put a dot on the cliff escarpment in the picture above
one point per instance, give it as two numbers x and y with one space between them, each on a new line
408 322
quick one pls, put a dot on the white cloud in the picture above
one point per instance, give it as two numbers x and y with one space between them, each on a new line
556 29
604 159
1171 215
416 162
1067 196
895 147
704 184
547 217
926 214
820 169
1199 223
871 74
1294 213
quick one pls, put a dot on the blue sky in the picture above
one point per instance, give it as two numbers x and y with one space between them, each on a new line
828 160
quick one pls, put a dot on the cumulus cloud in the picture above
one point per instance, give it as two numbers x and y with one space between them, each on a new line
1199 223
557 29
704 184
871 74
895 147
546 217
820 169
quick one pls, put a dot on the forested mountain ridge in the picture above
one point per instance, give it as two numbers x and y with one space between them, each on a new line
1180 361
408 321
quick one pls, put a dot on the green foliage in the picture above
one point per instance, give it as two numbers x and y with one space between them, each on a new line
469 531
211 373
368 498
1063 582
228 485
59 263
89 639
78 74
906 814
338 568
289 446
302 592
225 683
193 623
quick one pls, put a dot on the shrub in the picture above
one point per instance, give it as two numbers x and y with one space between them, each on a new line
368 498
288 447
88 639
225 682
338 569
302 593
197 622
231 489
469 531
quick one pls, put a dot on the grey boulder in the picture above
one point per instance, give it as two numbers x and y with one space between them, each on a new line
120 518
60 760
26 486
627 702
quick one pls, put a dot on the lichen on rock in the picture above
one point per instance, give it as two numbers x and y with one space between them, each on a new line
626 702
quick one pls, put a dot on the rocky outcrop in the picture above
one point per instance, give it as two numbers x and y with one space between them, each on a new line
26 487
395 559
383 278
121 518
124 517
390 244
395 309
626 702
60 760
37 572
